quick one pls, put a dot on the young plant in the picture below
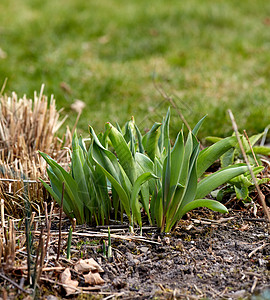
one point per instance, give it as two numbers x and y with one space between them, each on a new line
69 243
179 191
235 154
124 172
86 195
241 186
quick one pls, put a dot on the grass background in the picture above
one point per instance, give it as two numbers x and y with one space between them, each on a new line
209 55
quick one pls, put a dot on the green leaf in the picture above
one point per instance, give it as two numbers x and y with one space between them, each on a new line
227 158
113 171
184 196
240 180
198 126
164 135
79 172
123 152
134 195
262 150
146 163
111 175
150 141
209 155
186 160
71 186
166 179
241 192
177 157
211 204
218 178
139 137
213 139
66 207
255 138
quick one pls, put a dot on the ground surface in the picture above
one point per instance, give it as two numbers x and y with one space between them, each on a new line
208 257
204 259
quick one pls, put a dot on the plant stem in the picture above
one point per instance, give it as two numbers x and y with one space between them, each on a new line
261 196
69 242
60 221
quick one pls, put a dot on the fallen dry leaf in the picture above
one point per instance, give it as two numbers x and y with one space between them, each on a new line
244 227
93 278
65 278
86 265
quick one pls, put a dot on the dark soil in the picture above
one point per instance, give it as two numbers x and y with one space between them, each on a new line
203 259
209 256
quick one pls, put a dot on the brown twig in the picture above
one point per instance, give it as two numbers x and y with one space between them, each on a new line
14 283
257 249
60 221
173 104
261 196
76 122
40 250
251 148
254 285
49 229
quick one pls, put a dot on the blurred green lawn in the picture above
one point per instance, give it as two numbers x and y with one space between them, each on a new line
209 55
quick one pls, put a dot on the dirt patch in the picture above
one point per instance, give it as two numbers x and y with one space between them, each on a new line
214 260
208 256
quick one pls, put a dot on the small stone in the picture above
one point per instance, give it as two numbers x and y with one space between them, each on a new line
144 249
129 256
51 297
136 261
238 294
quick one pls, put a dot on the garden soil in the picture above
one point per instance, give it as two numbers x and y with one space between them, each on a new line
205 258
208 256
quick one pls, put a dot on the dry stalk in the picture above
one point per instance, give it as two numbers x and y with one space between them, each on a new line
251 149
26 127
261 195
172 103
49 229
60 222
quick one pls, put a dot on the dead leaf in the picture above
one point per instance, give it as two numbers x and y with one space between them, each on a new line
78 106
65 278
93 278
244 227
86 265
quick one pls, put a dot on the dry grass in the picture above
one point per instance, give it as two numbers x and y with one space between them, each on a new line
27 126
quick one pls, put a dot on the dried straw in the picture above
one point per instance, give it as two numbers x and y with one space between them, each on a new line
27 126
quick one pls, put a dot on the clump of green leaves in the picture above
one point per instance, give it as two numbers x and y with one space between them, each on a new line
124 172
178 191
86 193
242 185
235 155
140 173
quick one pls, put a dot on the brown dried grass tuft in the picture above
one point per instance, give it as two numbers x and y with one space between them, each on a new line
27 126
